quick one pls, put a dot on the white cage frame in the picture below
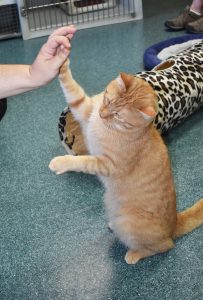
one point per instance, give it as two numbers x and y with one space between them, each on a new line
60 13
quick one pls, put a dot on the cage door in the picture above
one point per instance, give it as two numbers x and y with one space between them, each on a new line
41 17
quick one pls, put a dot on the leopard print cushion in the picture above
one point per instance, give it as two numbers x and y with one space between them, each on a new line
178 82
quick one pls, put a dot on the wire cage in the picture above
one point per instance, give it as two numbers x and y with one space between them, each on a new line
40 17
9 19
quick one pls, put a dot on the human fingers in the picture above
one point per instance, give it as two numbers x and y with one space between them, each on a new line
61 56
55 42
64 31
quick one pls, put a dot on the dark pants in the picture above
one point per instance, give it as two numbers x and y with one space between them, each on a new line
3 107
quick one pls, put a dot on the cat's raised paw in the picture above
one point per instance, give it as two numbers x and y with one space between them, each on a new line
132 257
58 165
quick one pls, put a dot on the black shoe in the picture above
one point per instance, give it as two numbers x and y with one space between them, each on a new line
3 107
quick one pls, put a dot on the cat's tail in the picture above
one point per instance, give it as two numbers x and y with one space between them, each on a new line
189 219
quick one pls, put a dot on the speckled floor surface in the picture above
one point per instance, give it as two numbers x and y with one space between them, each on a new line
54 241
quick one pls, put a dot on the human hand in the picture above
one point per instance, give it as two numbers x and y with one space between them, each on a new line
51 56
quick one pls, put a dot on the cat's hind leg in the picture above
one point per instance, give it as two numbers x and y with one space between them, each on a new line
132 257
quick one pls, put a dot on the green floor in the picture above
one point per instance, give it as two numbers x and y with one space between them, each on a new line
54 241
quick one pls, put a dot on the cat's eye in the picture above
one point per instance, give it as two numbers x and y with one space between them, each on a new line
116 114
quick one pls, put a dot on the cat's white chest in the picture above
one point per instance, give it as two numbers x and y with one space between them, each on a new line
94 144
94 133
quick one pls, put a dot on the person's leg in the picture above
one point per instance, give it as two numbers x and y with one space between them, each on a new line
190 14
196 26
197 6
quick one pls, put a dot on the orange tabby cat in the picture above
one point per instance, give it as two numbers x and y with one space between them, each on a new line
130 157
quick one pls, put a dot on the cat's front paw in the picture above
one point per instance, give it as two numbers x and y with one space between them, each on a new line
59 165
64 68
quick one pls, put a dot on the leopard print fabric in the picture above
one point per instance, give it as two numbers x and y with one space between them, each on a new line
179 87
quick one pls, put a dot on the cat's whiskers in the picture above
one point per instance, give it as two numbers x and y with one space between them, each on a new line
108 124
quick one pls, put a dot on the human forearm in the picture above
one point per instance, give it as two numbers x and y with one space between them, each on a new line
15 79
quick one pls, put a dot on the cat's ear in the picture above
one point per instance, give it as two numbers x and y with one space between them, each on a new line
146 101
148 112
124 81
